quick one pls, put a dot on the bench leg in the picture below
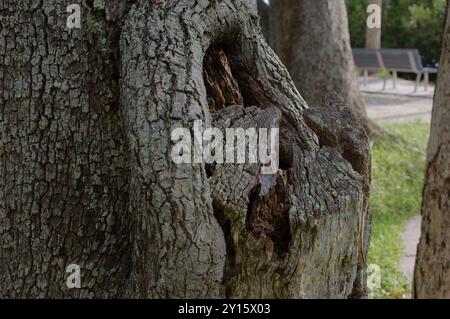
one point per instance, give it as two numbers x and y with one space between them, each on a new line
385 79
365 77
395 79
419 76
426 81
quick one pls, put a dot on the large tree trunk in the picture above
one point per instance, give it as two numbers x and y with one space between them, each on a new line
312 40
85 140
373 35
432 272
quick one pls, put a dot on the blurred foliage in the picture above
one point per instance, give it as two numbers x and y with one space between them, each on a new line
405 24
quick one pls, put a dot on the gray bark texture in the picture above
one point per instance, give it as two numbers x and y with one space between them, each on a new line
373 35
432 271
86 117
312 40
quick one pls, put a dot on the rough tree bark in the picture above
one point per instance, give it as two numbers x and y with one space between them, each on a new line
312 40
86 117
373 35
432 271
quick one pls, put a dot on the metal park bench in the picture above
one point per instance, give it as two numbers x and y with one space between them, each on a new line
368 60
392 60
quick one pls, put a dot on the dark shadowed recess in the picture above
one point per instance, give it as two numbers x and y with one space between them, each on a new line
229 82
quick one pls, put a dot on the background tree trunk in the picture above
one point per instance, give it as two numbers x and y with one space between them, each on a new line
312 40
263 11
85 139
432 272
373 35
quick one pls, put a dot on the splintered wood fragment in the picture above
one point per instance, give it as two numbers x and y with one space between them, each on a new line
222 88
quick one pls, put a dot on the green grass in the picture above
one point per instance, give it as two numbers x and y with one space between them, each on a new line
396 195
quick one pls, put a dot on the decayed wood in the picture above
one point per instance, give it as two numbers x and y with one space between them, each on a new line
282 231
85 123
221 87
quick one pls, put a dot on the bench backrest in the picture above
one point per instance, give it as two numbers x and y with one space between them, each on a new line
402 60
368 59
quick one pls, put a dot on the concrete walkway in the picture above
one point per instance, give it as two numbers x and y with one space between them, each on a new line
396 105
411 236
403 87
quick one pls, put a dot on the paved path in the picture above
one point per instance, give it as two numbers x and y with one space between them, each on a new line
403 87
411 235
388 108
397 105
